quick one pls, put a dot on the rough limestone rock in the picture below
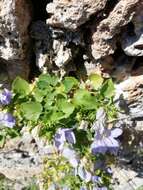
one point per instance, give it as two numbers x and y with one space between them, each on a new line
133 44
103 37
128 172
127 179
73 13
15 17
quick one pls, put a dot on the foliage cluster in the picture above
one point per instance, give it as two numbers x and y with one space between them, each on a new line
66 111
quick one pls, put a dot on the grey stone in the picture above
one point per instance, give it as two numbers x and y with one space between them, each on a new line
104 36
72 13
133 45
15 17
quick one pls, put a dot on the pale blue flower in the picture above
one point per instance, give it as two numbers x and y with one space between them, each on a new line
109 171
71 156
62 136
84 174
105 141
96 179
5 97
7 120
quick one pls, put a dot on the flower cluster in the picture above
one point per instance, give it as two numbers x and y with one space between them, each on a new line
73 117
103 141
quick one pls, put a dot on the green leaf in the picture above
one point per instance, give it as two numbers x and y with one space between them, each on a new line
45 80
69 83
39 94
49 100
66 107
84 99
31 110
53 116
20 86
108 89
60 90
96 80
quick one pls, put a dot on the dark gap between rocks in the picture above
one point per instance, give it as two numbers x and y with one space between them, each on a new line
40 9
39 13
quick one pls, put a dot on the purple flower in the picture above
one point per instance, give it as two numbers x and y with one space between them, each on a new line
62 136
7 120
96 179
109 171
71 156
5 97
105 141
84 174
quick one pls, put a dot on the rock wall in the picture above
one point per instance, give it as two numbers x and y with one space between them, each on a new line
15 18
79 37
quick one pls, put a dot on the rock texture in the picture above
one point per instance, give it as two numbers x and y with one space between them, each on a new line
104 38
133 44
21 158
52 46
15 17
73 13
130 166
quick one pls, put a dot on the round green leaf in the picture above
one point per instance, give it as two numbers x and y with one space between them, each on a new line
20 86
31 110
83 98
66 107
69 83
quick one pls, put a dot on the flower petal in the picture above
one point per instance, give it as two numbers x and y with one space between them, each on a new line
116 132
96 179
84 174
71 156
8 120
5 97
70 137
112 144
74 162
98 147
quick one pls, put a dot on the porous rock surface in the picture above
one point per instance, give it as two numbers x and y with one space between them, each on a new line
133 44
15 17
104 38
73 13
78 37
